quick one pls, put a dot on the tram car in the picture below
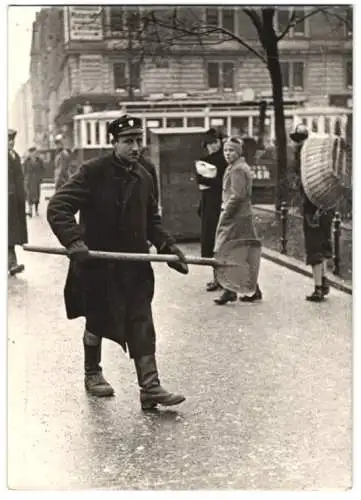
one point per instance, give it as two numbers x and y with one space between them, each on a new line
172 138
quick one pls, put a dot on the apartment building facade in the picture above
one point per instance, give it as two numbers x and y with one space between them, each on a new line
89 59
21 118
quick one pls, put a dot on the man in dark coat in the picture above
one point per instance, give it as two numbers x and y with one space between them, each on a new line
118 213
17 230
33 173
317 227
211 195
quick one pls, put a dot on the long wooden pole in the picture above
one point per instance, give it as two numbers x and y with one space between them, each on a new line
96 254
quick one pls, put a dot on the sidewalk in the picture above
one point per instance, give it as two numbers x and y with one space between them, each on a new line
268 388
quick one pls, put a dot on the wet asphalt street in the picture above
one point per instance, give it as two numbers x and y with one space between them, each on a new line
268 388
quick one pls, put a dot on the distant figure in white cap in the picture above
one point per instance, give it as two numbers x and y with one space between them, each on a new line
62 163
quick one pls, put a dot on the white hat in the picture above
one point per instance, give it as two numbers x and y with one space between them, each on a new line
58 138
206 169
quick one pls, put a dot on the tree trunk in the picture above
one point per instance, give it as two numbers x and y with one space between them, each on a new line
282 191
269 42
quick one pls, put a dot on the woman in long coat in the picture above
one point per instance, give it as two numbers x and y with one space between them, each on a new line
236 221
211 195
317 227
33 173
17 230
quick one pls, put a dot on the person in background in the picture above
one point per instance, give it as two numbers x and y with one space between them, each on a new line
210 187
62 161
317 227
236 220
249 155
147 163
17 229
118 213
33 173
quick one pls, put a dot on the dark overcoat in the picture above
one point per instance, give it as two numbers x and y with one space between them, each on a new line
317 223
33 173
150 167
17 229
211 201
118 213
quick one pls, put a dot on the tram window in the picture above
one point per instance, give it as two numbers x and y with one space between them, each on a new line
239 125
218 122
153 123
196 122
174 122
338 128
88 134
327 125
108 135
77 133
314 125
97 133
289 125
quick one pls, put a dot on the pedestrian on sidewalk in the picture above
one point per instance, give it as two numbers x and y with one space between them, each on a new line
317 226
62 163
236 221
33 173
209 176
17 229
118 213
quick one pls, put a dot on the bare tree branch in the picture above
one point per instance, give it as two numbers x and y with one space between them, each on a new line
290 25
332 13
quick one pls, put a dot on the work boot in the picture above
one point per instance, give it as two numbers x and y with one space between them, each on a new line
252 298
317 295
325 286
151 392
212 286
19 268
227 296
94 380
13 266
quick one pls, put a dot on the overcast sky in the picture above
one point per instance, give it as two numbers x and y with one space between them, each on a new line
20 20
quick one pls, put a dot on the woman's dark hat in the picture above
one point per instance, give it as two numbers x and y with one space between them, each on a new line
212 135
11 133
300 134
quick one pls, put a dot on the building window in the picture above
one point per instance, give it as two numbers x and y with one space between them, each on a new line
133 20
120 81
292 75
349 21
212 16
228 19
221 17
221 75
116 18
349 78
135 75
282 19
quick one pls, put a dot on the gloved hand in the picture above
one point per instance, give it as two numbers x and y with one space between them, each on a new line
181 266
78 252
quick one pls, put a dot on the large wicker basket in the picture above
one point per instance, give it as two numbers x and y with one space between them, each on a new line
326 169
